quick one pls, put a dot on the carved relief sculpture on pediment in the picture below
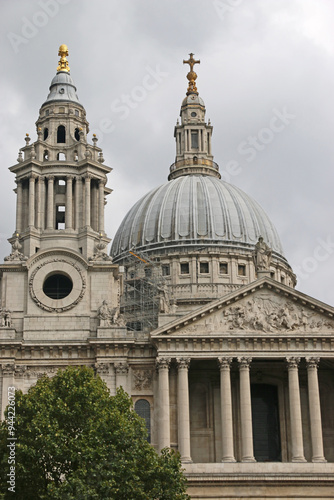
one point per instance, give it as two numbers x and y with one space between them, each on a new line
269 314
263 313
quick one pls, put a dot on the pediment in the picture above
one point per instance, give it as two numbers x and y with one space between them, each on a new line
263 307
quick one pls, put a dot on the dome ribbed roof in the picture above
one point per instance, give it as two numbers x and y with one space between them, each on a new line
192 210
62 88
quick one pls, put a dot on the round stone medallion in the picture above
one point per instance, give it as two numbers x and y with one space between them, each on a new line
57 285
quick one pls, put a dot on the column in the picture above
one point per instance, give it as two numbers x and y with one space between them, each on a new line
8 371
226 410
87 197
50 205
18 206
164 424
315 411
78 197
295 411
41 179
39 202
69 201
32 200
101 206
247 451
183 409
121 370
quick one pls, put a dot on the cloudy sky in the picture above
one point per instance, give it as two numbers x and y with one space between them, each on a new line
266 76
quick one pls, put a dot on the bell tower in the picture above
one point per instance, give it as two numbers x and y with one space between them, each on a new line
58 273
193 134
61 179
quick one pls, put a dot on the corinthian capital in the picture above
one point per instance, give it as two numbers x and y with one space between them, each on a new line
163 363
244 363
121 368
312 363
183 363
8 369
292 363
225 363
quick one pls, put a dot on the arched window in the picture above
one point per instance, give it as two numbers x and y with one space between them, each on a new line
61 134
266 430
77 134
46 133
61 156
142 408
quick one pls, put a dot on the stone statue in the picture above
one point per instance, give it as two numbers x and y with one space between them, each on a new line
164 302
173 307
105 314
262 255
5 318
109 317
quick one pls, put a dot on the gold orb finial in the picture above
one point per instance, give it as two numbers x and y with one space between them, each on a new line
192 89
63 63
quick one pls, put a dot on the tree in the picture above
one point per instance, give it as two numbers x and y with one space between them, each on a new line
75 441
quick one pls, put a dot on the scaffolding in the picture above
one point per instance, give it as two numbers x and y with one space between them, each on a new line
143 286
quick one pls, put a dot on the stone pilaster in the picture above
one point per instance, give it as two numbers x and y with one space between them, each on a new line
19 202
295 411
78 197
50 204
163 410
247 450
315 411
183 409
40 202
32 179
121 370
101 206
88 178
69 202
226 410
8 372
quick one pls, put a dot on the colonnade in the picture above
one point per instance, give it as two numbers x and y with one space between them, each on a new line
227 440
31 197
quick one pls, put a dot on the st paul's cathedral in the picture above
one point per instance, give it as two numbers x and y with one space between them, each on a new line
194 312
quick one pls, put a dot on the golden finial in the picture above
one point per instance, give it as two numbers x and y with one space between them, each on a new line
192 89
63 64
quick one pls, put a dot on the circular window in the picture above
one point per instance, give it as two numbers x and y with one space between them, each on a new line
57 286
193 113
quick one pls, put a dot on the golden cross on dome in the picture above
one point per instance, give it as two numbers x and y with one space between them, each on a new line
191 61
63 63
192 89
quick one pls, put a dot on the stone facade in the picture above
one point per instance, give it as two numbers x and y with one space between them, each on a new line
236 370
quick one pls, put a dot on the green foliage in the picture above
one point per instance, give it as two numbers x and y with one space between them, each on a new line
76 442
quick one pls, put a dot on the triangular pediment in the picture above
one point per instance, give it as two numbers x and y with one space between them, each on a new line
262 307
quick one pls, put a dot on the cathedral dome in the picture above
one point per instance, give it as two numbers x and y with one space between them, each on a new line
194 210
